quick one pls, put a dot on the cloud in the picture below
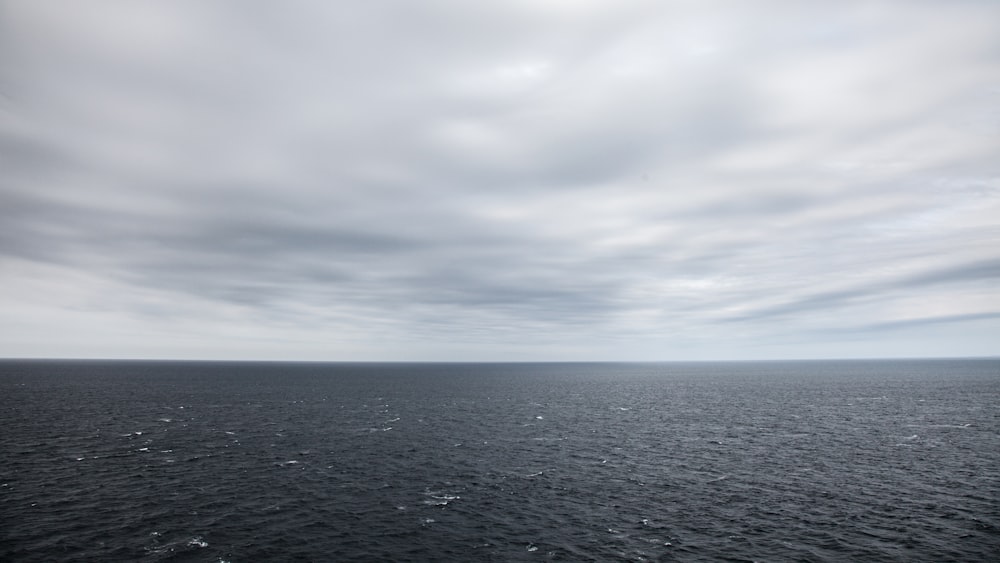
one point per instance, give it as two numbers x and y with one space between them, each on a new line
909 323
554 180
974 274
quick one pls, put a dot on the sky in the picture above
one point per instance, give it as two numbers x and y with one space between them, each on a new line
519 180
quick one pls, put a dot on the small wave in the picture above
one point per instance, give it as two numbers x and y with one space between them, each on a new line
440 499
658 541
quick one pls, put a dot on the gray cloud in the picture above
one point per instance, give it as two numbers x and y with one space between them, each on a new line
974 274
895 325
537 180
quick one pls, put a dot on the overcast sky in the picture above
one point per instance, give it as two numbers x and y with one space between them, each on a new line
515 180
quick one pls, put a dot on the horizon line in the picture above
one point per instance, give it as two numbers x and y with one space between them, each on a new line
286 361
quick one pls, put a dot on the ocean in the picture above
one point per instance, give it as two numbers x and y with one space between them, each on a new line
889 460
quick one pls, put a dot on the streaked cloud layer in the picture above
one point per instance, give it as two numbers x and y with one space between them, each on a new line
497 181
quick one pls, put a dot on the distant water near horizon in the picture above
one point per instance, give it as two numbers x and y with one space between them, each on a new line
881 460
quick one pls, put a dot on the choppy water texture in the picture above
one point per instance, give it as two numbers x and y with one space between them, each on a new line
789 461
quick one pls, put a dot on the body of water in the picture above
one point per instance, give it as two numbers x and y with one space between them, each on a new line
768 461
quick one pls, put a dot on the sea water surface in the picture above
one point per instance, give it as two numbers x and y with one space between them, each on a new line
763 461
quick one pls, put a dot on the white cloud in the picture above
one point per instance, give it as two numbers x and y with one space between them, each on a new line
555 180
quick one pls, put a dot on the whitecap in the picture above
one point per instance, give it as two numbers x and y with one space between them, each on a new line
658 541
197 542
441 500
438 498
532 547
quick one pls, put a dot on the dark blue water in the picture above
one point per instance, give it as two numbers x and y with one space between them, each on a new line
784 461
